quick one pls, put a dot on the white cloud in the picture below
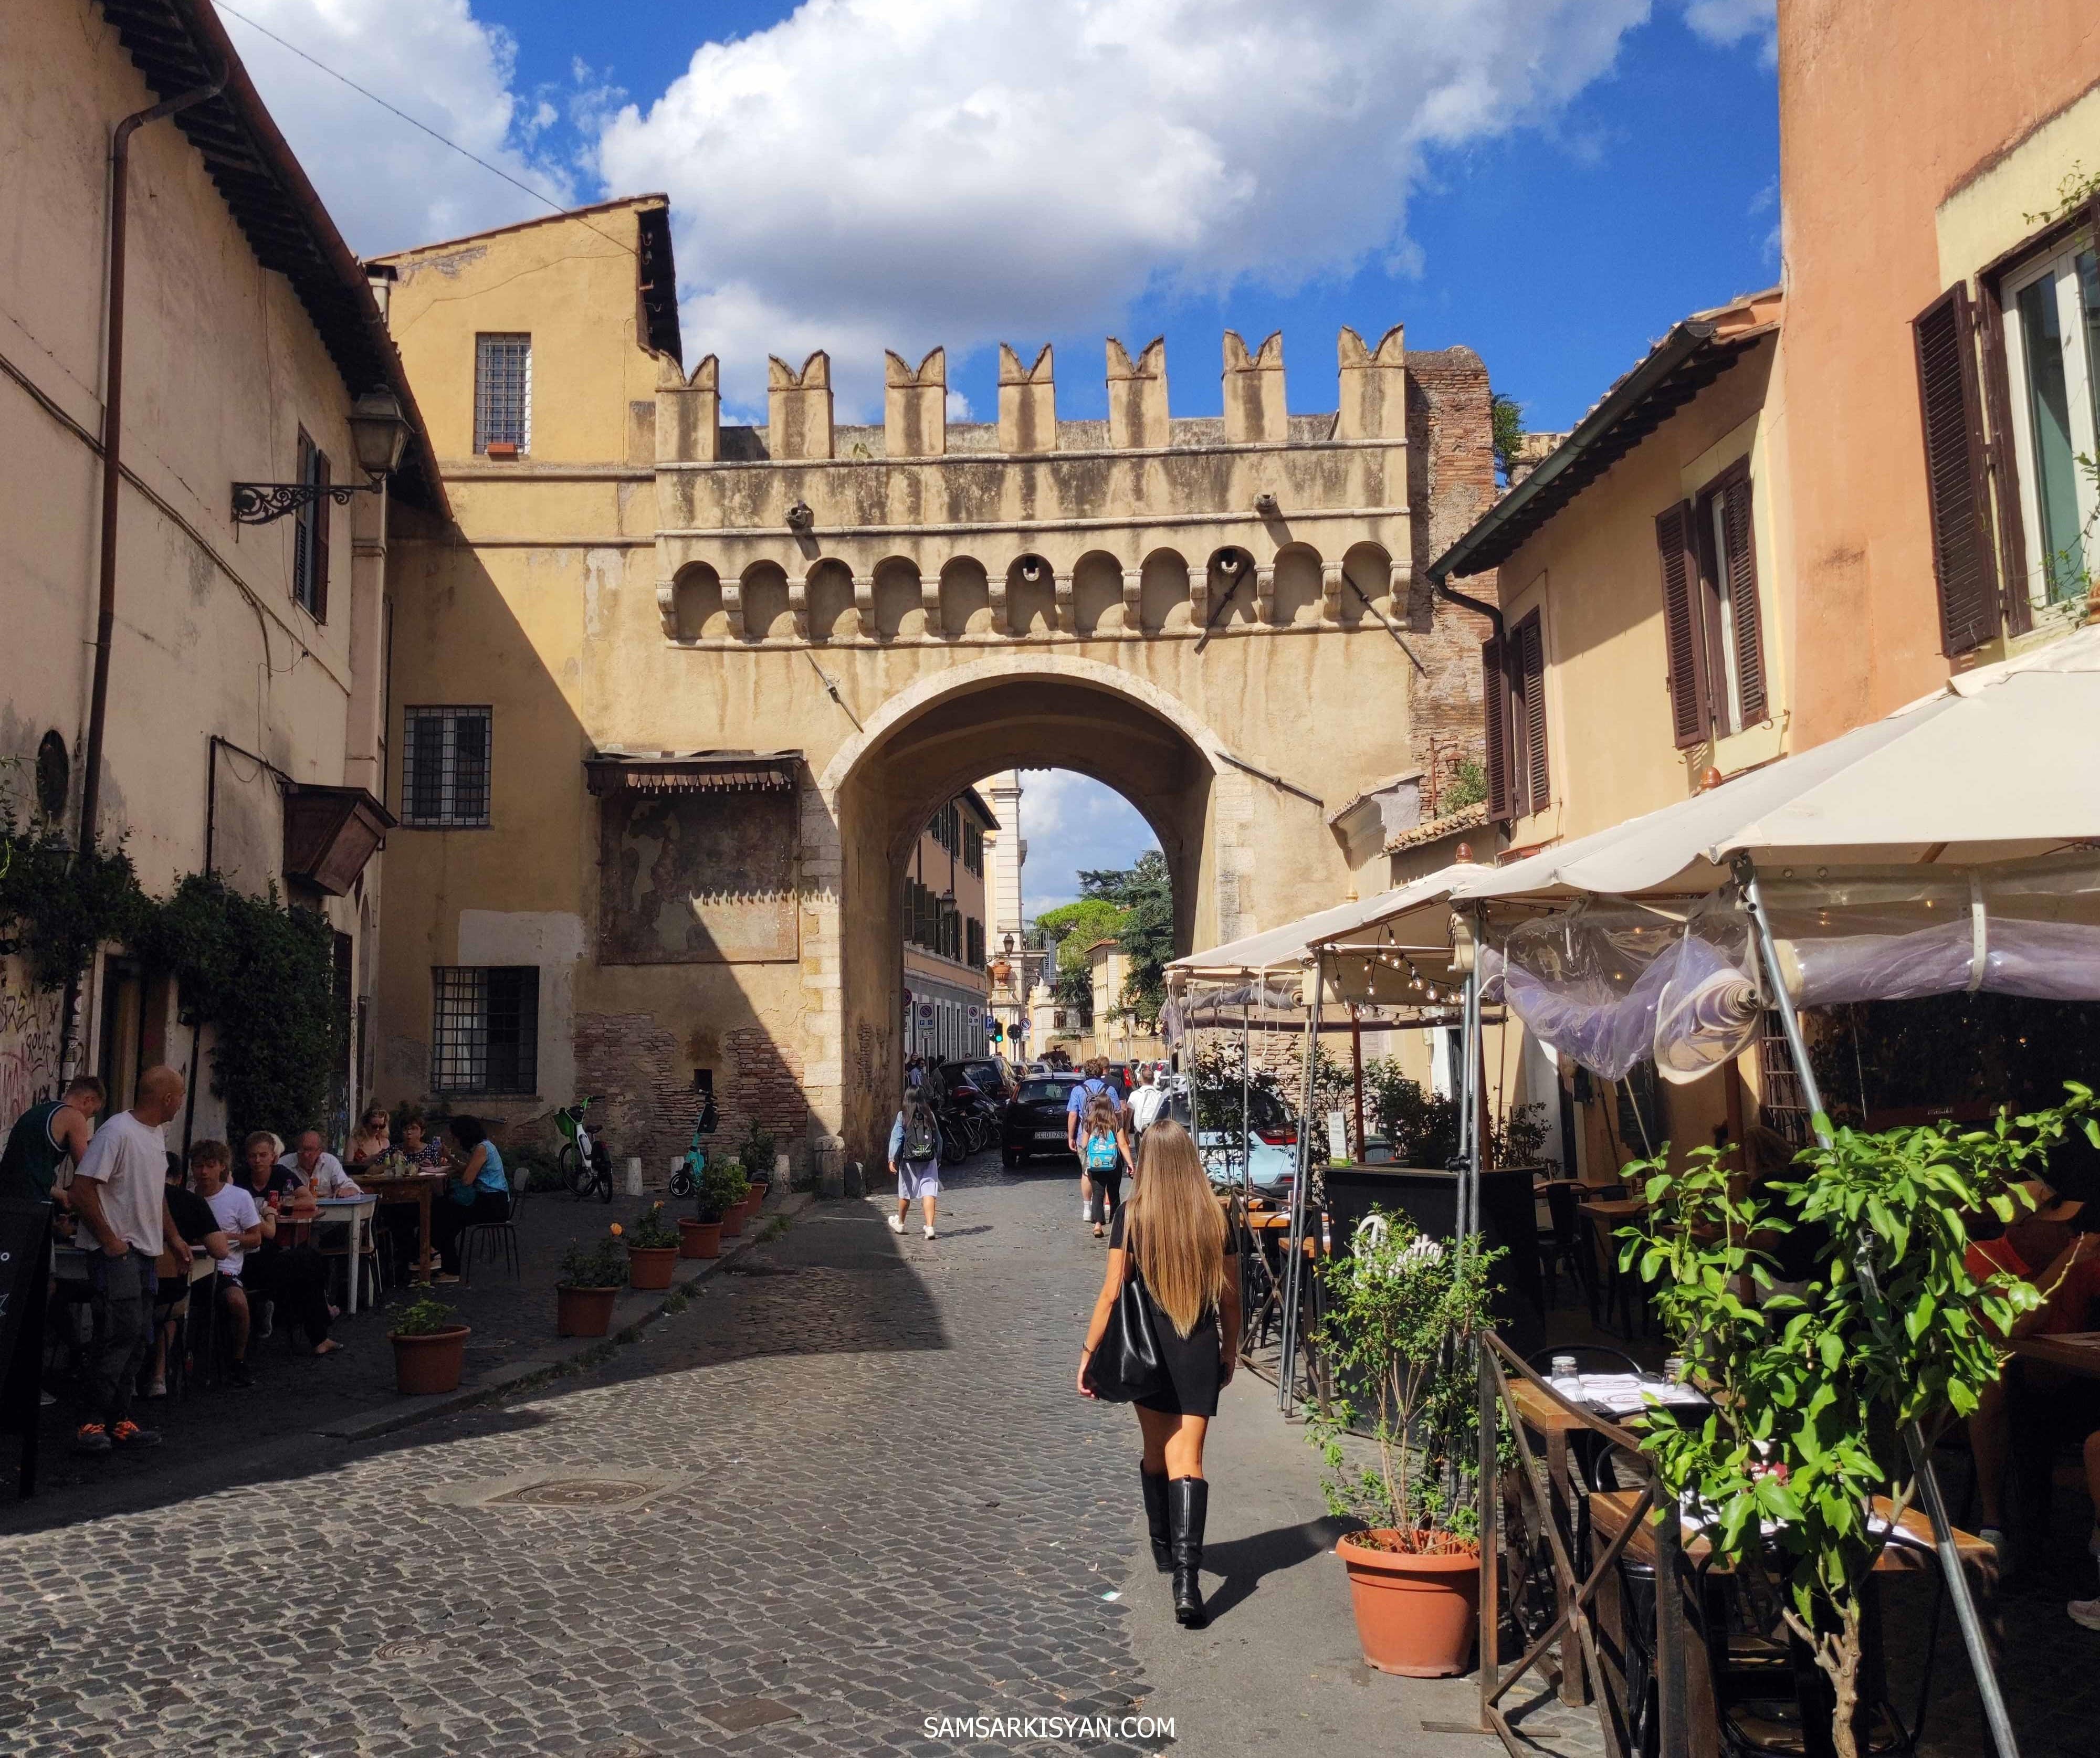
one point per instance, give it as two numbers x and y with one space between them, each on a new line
387 184
1071 822
873 174
1729 22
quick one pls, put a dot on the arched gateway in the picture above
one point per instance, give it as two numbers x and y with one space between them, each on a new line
674 697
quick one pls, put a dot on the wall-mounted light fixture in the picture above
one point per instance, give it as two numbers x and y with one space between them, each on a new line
378 437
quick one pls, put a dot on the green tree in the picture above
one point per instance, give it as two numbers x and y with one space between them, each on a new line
1813 1393
1073 928
1145 895
1508 414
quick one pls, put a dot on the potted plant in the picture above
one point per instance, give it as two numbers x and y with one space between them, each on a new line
429 1348
713 1198
755 1151
735 1191
1401 1309
1803 1459
652 1249
588 1283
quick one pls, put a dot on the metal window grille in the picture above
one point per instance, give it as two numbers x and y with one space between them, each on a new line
503 391
444 767
485 1029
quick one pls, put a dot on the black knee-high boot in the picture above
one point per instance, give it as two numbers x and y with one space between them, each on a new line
1155 1517
1188 1500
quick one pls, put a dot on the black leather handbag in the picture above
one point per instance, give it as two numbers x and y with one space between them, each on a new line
1127 1364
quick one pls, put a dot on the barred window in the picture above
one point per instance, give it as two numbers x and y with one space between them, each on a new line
444 767
485 1029
503 391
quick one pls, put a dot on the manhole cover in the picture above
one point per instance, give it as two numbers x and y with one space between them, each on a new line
743 1713
575 1492
410 1648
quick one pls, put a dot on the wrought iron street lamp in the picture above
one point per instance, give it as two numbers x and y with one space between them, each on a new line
378 437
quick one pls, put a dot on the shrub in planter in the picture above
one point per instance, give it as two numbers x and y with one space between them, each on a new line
429 1348
699 1239
588 1283
726 1186
1401 1309
652 1249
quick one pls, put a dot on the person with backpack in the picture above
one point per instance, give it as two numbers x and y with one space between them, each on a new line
915 1157
1091 1086
1104 1152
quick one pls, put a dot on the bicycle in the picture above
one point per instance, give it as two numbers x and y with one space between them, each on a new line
585 1162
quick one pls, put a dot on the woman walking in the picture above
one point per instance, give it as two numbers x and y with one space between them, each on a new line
1171 1236
915 1157
1104 1152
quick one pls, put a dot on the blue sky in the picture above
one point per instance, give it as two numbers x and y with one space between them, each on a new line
1551 182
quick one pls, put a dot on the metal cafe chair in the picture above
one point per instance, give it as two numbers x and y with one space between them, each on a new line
494 1240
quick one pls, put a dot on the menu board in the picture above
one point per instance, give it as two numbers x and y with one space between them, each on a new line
25 1230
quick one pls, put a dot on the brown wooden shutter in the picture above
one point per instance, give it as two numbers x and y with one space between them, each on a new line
322 504
1684 640
1494 701
2004 470
1740 530
1530 643
1954 475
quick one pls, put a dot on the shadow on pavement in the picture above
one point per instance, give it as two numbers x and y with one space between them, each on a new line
1244 1562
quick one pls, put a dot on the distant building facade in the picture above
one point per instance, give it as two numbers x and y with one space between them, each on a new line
947 985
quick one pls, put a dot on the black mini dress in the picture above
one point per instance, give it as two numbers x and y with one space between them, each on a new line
1193 1368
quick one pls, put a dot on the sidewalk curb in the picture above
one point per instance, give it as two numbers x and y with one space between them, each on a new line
568 1355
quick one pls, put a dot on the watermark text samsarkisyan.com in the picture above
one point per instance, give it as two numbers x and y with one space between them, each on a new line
1081 1728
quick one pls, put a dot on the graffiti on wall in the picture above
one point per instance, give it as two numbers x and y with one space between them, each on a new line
29 1041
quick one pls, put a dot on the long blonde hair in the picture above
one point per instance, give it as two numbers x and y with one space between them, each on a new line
1175 1228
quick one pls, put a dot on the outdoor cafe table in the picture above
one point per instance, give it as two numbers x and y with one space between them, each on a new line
356 1210
421 1188
1608 1510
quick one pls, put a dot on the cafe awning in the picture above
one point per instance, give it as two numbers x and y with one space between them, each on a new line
2002 764
691 772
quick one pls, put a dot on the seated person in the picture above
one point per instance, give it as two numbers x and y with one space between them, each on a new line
294 1277
372 1139
2069 1283
318 1169
245 1226
422 1154
198 1228
478 1195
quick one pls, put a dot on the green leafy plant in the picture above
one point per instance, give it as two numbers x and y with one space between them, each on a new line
651 1231
1812 1393
57 904
721 1187
1423 1128
1401 1309
424 1317
1520 1139
755 1150
1507 416
1468 787
601 1263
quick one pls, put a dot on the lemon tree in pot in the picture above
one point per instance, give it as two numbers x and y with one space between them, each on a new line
652 1249
1400 1440
429 1348
588 1283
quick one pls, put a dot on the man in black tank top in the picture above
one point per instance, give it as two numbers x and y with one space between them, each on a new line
46 1134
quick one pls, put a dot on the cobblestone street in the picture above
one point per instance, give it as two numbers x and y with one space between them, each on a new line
848 1488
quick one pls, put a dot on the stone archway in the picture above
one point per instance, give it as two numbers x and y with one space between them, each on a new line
925 745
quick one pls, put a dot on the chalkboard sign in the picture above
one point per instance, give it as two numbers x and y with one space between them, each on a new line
25 1231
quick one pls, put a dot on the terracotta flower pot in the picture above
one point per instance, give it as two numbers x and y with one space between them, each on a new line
755 1203
1415 1614
428 1364
733 1219
699 1238
650 1266
583 1311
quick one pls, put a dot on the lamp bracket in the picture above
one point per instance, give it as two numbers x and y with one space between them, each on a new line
259 503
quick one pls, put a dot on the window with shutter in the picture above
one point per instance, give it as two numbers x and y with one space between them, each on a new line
1495 701
317 578
1727 601
2005 474
302 526
1528 716
1684 636
1962 563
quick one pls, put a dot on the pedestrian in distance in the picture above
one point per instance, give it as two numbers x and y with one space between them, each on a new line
1103 1151
1172 1238
119 1193
915 1157
1145 1103
1092 1084
47 1137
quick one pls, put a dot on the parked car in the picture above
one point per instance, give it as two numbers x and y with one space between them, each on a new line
1033 1122
1271 1166
985 1073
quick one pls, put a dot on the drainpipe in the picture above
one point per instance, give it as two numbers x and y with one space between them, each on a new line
113 413
1467 602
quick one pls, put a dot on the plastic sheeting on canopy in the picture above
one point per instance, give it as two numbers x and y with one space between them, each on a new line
1292 946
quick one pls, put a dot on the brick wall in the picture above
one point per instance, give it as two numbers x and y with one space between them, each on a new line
1451 482
646 1105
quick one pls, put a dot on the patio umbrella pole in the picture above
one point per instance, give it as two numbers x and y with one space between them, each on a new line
1246 1075
1295 1238
1973 1638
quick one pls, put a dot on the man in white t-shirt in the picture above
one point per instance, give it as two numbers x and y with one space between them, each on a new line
243 1223
313 1164
1146 1102
120 1192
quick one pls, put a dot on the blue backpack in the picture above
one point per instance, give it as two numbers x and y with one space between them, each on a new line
1101 1153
